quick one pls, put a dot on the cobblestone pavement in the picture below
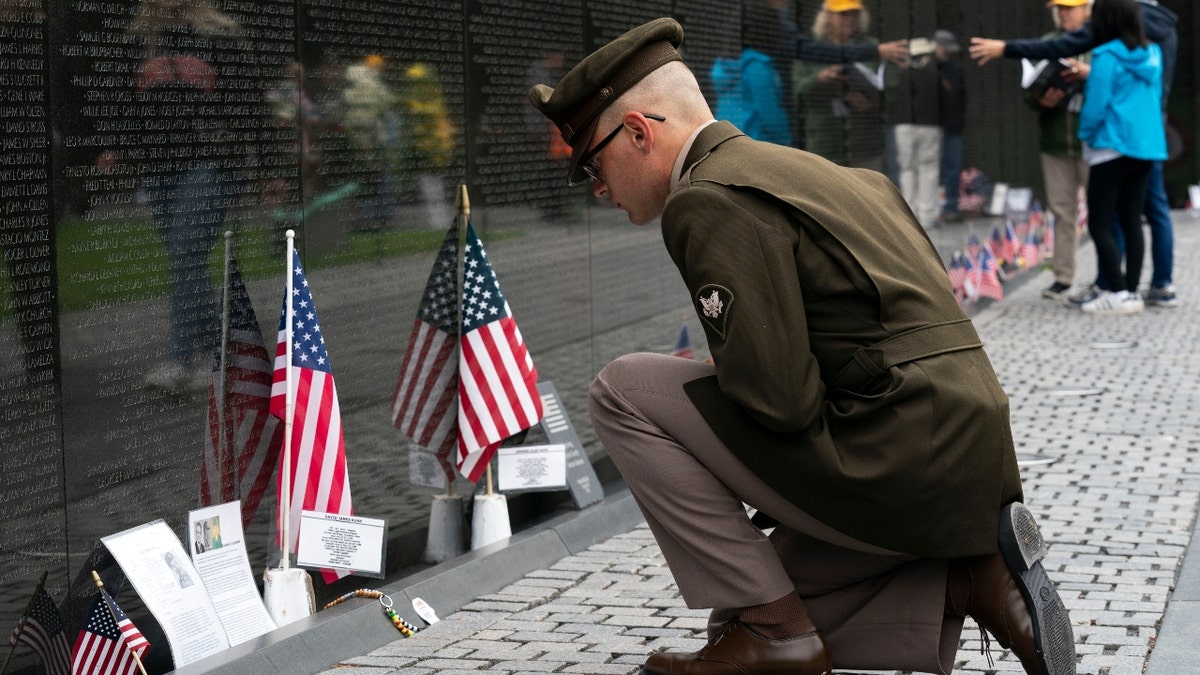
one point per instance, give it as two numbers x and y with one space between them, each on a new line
1110 399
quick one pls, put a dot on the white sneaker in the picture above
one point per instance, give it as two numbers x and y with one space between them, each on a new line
1119 302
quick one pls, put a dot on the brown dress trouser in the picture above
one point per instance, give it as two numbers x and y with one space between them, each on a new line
879 610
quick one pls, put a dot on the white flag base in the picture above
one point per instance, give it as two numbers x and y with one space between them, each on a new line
447 529
490 521
288 594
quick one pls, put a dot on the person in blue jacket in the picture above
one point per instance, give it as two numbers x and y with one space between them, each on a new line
1159 24
750 88
1122 130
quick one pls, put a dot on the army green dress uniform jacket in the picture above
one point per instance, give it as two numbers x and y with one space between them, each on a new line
847 376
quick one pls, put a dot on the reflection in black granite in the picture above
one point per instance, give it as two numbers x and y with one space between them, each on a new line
134 133
31 454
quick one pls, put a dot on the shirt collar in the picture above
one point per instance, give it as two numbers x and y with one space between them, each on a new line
677 171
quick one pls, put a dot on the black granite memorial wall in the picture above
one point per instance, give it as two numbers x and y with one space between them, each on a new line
135 133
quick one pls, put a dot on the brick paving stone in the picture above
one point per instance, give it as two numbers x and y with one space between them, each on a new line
603 669
530 666
573 575
589 631
661 632
485 604
543 636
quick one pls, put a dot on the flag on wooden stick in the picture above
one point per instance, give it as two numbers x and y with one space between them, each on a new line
109 643
318 478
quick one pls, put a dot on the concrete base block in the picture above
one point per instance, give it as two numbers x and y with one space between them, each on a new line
447 537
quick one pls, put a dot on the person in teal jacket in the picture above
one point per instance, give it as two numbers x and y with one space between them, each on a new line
1122 129
750 92
750 95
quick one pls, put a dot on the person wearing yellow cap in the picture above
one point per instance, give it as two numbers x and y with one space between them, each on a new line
842 6
842 117
848 401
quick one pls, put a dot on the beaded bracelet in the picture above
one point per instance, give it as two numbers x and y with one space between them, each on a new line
385 601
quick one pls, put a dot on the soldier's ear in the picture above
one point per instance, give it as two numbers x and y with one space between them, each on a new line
641 130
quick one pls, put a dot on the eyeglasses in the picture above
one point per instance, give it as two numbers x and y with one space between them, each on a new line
587 163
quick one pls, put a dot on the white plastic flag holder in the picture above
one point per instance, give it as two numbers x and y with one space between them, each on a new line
489 521
288 592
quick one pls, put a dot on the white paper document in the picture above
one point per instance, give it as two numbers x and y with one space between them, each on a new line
219 553
155 563
329 540
532 467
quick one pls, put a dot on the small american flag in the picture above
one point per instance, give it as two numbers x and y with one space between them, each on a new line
497 388
108 641
1031 247
253 437
496 380
42 630
997 245
319 479
957 273
683 345
988 277
1037 215
424 403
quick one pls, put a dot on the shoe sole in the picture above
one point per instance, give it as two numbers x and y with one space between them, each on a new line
1023 549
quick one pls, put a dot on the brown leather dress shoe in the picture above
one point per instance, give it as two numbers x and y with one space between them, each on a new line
741 651
1013 599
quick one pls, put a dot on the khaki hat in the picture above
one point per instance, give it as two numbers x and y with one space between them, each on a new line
595 82
1067 3
843 5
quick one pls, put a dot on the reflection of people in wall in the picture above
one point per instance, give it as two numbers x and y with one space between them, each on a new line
842 115
372 123
181 576
180 83
749 88
433 139
552 200
913 102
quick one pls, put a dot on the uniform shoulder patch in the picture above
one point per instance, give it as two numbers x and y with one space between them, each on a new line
713 303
